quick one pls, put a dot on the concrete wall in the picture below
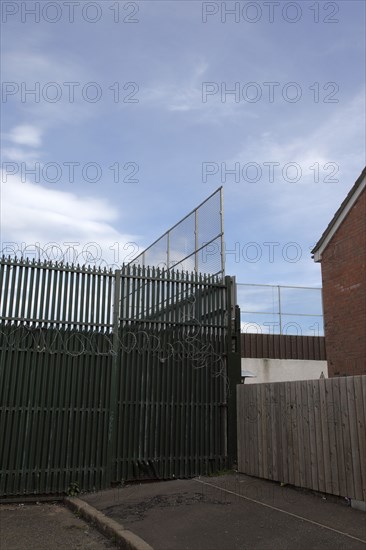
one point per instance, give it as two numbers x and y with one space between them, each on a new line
283 370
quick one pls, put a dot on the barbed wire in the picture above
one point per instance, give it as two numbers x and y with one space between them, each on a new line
193 344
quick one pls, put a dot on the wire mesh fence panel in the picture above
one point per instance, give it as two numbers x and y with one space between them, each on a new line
182 242
209 257
276 309
305 300
195 243
209 222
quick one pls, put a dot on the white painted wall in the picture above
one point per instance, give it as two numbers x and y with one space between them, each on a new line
283 370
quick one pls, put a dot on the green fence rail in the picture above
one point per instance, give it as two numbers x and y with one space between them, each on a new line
107 377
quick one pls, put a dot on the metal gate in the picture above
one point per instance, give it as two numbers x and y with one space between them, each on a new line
113 376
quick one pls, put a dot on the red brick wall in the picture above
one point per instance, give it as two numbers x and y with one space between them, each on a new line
344 294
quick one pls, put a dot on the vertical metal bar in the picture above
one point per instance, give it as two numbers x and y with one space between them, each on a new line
168 251
29 313
279 307
88 391
37 287
88 276
141 371
124 373
53 411
44 364
222 231
4 276
46 311
15 290
70 316
60 293
93 297
19 289
81 305
113 389
25 290
3 295
35 417
76 301
133 371
102 295
233 370
172 433
196 240
109 312
98 300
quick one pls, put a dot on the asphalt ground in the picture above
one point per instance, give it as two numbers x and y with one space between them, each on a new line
47 527
232 512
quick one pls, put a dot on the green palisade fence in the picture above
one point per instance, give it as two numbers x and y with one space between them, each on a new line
109 376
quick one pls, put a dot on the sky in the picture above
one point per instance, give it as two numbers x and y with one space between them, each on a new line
118 118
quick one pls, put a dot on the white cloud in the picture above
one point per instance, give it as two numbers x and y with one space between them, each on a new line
24 141
17 154
26 135
31 74
293 204
34 214
189 96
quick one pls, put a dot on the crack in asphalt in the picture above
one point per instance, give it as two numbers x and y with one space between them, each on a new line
137 511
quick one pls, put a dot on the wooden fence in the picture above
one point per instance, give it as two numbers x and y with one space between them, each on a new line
309 434
283 346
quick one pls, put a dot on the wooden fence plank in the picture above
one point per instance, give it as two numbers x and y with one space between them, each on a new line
339 437
283 432
312 437
346 437
306 433
300 433
256 425
355 456
361 429
268 447
318 432
264 431
295 434
290 458
325 436
331 421
251 422
260 429
274 443
240 424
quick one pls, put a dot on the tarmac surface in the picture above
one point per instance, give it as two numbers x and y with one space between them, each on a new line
47 527
231 512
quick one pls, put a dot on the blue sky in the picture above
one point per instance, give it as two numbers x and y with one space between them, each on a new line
171 62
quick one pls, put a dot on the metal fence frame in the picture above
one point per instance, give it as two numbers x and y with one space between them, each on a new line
106 377
169 264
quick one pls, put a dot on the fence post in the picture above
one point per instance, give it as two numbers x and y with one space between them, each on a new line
113 381
233 368
279 308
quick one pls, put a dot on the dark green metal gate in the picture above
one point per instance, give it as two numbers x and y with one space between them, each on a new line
113 376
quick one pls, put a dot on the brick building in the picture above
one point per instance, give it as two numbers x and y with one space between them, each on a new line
342 253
